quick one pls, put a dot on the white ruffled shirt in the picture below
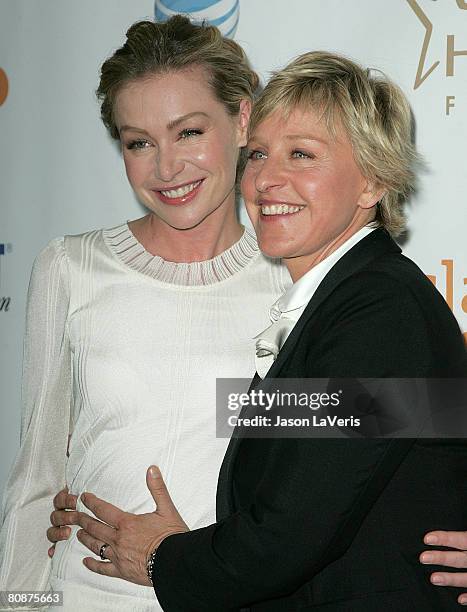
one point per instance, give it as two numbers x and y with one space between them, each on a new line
285 313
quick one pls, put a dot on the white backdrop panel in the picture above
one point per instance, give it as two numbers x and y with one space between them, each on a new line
61 173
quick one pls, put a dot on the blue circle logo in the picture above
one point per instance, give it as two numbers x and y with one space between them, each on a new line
221 13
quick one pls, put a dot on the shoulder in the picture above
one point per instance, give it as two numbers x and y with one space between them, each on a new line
62 247
77 245
377 263
54 249
393 282
386 319
57 258
376 266
51 258
370 291
50 274
374 303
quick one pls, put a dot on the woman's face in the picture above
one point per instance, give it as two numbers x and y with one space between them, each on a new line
180 146
304 192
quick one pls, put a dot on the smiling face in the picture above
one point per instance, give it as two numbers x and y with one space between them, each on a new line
180 146
303 190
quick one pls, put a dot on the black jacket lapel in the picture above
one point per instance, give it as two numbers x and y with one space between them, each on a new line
223 497
371 247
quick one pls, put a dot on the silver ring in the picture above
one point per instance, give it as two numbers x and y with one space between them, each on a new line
102 550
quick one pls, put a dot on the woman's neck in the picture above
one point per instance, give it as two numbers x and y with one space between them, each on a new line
215 234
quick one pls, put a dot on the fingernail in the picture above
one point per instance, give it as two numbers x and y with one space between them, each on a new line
427 558
463 601
431 539
153 472
438 579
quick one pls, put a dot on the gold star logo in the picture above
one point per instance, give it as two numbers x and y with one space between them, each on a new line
422 71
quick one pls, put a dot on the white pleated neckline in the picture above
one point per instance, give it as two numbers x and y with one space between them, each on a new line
123 243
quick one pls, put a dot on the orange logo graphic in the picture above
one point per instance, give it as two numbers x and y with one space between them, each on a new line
3 86
450 295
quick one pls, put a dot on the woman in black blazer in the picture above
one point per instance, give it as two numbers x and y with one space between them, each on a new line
321 524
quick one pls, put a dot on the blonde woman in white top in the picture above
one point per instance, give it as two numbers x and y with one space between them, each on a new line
129 327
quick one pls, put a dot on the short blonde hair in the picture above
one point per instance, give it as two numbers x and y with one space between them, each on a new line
373 111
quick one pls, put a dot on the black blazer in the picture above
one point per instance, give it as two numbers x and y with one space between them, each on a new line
336 524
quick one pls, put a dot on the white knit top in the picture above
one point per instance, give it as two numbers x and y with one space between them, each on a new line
122 351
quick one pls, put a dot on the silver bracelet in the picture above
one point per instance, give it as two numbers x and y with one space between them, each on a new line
150 565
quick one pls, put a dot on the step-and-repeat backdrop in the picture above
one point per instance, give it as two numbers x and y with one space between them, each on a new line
60 173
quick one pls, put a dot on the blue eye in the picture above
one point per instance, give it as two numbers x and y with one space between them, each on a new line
137 144
255 154
189 133
301 155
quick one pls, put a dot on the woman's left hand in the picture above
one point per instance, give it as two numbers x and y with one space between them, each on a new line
450 558
130 538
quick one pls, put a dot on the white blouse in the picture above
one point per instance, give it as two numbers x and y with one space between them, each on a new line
122 351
